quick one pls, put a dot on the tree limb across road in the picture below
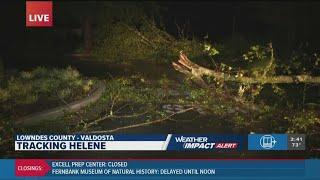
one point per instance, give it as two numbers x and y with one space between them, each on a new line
191 69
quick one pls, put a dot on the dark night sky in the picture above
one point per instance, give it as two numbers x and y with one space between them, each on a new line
252 18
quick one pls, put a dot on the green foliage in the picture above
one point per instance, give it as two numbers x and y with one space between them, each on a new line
260 60
307 122
193 47
256 53
124 42
131 90
300 62
29 86
129 31
121 43
212 51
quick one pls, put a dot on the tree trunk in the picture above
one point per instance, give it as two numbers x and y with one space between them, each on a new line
87 33
187 67
1 71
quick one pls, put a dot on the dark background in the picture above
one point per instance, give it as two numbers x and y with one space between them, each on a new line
287 24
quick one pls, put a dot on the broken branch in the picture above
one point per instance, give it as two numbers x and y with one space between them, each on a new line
187 67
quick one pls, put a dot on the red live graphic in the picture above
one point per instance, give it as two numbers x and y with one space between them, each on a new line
31 167
39 14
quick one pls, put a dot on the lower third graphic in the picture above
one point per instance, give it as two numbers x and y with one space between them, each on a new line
267 141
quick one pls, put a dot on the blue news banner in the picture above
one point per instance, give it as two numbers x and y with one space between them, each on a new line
167 142
159 168
103 142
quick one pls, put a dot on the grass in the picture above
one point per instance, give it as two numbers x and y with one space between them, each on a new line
41 86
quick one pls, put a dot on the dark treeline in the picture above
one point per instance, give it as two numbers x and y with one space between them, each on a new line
287 24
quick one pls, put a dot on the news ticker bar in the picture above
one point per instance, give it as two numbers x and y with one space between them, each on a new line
167 142
160 168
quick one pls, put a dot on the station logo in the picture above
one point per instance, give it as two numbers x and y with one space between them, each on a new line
39 14
205 142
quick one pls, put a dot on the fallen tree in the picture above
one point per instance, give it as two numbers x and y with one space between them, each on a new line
52 114
196 72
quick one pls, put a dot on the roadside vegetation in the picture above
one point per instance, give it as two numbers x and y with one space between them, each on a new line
31 91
